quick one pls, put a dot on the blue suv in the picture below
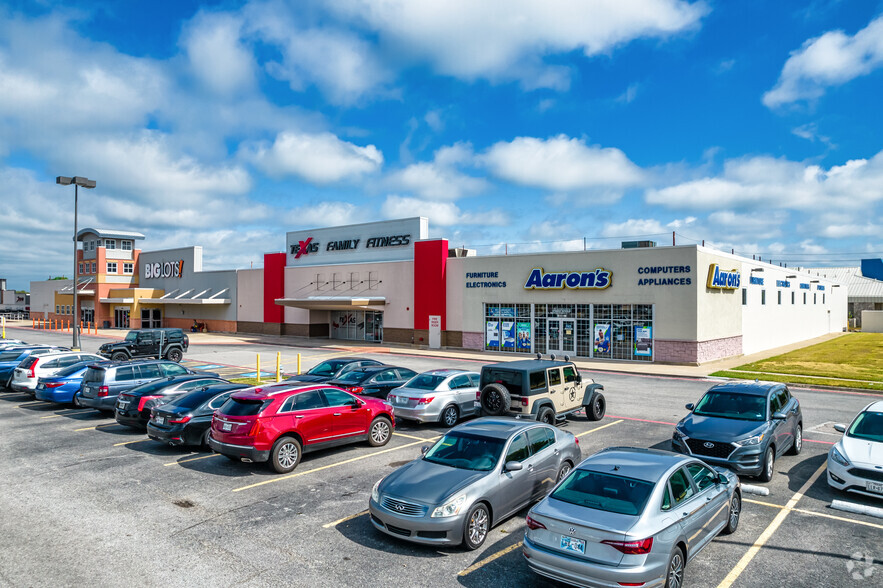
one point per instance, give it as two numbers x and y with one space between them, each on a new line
742 426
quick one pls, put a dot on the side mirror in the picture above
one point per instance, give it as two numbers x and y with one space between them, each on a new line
689 406
779 416
722 479
579 379
424 449
512 466
840 428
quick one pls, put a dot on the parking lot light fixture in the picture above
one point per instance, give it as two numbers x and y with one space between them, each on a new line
77 181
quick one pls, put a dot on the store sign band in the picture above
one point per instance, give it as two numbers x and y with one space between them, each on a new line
166 269
598 279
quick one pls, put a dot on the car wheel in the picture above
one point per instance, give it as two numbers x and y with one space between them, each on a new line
285 455
798 440
495 399
206 435
119 356
175 355
598 408
769 461
380 432
674 574
733 516
75 402
449 416
546 415
476 526
565 469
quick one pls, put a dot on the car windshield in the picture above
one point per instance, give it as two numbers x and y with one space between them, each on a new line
10 355
131 336
868 426
193 399
731 405
327 368
466 452
605 492
72 369
424 382
243 406
353 376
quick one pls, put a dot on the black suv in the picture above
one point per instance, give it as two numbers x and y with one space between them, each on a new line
333 368
105 380
157 343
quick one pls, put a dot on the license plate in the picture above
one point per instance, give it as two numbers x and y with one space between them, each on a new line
476 404
40 386
226 426
122 404
573 544
160 420
401 400
874 487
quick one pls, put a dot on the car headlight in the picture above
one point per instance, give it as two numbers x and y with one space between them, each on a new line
451 508
749 441
838 457
678 434
375 491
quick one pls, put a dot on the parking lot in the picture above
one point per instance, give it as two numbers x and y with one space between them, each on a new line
87 501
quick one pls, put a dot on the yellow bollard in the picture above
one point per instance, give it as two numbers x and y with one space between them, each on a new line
298 364
278 366
258 372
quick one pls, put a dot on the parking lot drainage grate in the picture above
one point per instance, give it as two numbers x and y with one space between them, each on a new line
184 503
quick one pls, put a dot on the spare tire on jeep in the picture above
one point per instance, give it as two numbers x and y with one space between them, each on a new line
495 400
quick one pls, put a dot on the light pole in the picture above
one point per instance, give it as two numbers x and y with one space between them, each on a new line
77 181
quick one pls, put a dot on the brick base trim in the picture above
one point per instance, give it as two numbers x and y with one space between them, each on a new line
696 352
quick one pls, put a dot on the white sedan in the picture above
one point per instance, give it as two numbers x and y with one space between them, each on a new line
855 463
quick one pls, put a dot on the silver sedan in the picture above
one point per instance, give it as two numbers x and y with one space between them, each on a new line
477 475
630 516
443 396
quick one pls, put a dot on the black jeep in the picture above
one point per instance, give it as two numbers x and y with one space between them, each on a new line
158 343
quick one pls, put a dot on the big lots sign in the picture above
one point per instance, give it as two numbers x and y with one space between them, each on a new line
164 269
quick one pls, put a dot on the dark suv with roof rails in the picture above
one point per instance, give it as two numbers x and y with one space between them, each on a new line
156 343
103 381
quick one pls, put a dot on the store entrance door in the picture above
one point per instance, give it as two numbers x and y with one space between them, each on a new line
151 318
121 318
562 336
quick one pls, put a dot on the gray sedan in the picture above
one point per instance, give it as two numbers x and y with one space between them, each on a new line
630 516
443 396
477 475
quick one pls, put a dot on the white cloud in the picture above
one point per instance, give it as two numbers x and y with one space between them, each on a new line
832 59
779 184
633 227
216 54
439 179
441 213
841 231
324 214
561 164
502 40
321 158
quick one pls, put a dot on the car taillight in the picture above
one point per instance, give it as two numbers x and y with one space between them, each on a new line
255 429
54 384
524 402
640 547
426 400
478 396
103 390
31 373
144 400
179 421
534 524
356 389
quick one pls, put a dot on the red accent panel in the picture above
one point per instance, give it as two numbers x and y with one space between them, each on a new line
430 291
274 287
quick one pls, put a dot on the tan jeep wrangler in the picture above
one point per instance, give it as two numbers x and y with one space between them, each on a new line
544 390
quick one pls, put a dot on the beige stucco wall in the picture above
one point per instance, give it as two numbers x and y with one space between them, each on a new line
872 321
250 295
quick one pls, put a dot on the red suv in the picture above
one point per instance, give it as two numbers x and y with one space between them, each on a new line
278 423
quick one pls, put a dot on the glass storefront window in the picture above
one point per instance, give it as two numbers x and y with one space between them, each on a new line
507 327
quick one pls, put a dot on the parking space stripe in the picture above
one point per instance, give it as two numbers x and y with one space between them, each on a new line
191 459
333 465
599 428
815 514
344 519
411 436
768 532
52 416
95 427
488 560
130 442
815 441
641 420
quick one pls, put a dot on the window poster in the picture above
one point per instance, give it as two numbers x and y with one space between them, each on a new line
602 338
508 334
523 337
492 328
643 341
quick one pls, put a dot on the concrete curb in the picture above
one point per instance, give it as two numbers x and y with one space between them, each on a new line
758 490
855 508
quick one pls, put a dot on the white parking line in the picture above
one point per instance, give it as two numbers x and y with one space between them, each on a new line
130 442
333 465
815 514
411 436
768 532
180 461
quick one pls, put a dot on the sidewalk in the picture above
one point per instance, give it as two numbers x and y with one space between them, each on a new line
632 367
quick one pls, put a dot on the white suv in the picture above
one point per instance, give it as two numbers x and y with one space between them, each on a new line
37 365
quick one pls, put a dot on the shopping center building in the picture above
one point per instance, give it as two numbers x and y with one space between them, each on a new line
390 282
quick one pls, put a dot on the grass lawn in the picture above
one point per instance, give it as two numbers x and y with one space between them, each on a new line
854 356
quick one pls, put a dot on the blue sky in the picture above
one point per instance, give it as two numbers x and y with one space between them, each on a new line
752 125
